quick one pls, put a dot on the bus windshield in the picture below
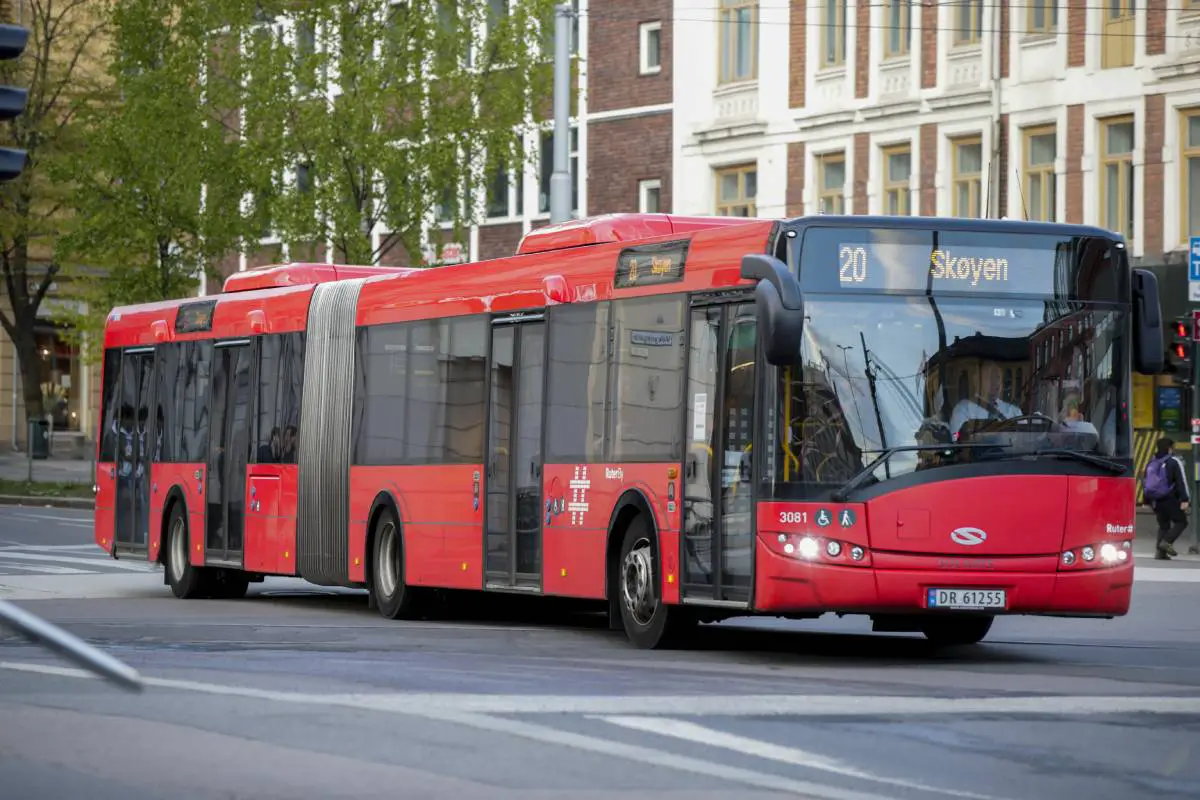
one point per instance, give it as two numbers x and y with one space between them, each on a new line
1005 374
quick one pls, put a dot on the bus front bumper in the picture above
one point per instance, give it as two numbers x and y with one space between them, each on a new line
788 584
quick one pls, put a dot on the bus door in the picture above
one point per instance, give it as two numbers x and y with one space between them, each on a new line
513 518
718 531
135 430
228 452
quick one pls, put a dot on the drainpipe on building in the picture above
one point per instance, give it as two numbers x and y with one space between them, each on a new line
995 201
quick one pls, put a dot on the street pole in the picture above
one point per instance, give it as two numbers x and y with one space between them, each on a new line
560 180
1195 390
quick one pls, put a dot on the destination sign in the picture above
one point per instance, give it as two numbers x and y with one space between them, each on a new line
647 265
195 317
839 259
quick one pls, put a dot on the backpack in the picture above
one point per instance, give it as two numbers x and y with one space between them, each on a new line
1158 483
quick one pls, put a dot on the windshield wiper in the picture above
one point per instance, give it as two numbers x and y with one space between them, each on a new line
840 494
1115 467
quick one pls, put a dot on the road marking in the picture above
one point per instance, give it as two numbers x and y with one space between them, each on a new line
88 521
699 734
54 548
108 562
426 704
47 569
1166 575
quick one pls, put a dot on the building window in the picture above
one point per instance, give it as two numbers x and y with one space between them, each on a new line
897 34
739 40
833 33
1116 175
650 47
1041 17
967 181
897 175
831 183
650 196
1117 42
1189 161
1040 182
737 188
547 169
968 22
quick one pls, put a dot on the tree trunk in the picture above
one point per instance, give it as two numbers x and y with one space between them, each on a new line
31 372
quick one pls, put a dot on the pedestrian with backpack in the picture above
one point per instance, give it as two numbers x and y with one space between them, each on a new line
1166 491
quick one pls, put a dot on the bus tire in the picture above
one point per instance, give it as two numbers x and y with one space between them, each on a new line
393 597
649 623
957 631
186 580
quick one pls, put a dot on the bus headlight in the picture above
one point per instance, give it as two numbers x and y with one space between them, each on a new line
1109 553
834 549
808 547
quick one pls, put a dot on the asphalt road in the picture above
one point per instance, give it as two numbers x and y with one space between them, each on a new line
302 692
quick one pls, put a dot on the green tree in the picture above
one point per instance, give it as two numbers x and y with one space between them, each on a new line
428 97
165 168
60 70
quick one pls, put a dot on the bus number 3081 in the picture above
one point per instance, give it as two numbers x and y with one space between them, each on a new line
793 517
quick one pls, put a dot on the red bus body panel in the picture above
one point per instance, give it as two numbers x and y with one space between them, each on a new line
442 530
104 509
270 525
575 539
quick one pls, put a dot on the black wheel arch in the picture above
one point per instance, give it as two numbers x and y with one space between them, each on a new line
632 503
175 496
384 501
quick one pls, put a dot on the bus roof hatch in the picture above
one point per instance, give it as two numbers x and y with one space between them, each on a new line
273 276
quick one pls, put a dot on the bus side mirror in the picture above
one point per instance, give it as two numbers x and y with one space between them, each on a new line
779 306
1148 343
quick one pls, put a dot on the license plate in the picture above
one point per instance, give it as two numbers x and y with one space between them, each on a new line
966 598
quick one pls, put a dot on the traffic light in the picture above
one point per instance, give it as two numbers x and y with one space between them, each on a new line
13 39
1182 346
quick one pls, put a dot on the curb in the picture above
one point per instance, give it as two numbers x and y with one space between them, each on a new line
53 502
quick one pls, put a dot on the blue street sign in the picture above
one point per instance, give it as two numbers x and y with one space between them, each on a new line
1194 269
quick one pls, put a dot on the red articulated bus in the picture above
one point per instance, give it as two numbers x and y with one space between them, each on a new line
922 420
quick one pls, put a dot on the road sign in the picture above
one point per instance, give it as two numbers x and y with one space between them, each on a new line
1194 269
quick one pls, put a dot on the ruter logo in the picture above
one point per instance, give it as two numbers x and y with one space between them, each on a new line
579 486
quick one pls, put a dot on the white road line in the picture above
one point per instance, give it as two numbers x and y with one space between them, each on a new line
1166 575
527 730
108 562
46 569
53 548
88 521
423 704
699 734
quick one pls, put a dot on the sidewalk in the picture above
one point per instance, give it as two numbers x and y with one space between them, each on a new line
61 482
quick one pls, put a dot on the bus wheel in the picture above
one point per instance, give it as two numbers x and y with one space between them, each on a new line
649 623
186 580
393 598
956 631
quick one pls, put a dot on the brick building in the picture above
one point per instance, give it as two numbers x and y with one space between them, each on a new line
621 139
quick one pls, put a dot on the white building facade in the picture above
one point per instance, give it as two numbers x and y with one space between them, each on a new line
1085 113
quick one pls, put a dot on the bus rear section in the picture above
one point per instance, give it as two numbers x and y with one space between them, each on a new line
948 434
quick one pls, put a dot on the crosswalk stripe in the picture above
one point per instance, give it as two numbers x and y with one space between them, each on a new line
700 734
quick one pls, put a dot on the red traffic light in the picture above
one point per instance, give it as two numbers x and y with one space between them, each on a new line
1181 330
1181 351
